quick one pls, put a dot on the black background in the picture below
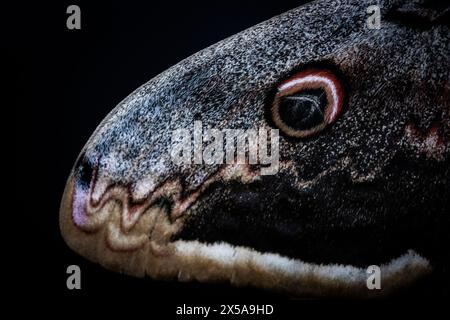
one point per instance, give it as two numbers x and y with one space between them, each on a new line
64 82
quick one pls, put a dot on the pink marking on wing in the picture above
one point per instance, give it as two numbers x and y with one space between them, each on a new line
79 205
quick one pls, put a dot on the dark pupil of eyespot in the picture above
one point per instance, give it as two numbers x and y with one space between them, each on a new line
303 110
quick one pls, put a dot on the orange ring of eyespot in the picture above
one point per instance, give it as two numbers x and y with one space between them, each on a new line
310 79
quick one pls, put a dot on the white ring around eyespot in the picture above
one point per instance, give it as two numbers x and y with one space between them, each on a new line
325 80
